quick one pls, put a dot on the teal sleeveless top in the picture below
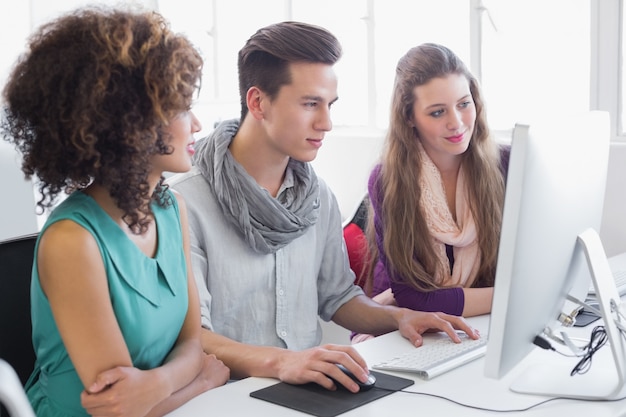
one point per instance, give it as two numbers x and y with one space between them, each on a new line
149 298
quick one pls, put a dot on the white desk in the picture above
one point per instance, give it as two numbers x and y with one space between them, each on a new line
466 384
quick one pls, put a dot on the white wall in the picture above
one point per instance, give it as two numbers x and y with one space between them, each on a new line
17 211
345 161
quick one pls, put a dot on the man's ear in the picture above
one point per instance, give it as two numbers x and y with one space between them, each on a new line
254 100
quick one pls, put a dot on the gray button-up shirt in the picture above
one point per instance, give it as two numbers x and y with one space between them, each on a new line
266 299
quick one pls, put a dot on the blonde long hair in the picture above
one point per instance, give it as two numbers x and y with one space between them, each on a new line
406 241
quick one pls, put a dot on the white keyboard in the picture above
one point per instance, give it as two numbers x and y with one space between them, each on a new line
620 281
617 264
437 356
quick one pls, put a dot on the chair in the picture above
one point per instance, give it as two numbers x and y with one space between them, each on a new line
356 241
12 394
16 261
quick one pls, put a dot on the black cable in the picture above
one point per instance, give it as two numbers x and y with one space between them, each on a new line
475 407
596 341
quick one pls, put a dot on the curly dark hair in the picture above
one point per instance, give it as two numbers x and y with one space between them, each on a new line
88 101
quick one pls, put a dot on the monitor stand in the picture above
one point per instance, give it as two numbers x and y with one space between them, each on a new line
606 377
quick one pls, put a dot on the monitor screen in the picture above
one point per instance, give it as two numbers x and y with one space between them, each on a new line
555 192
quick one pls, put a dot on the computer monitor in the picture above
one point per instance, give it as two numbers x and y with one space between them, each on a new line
549 249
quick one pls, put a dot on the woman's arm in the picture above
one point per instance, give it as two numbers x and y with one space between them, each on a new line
71 268
477 301
456 301
73 278
189 371
448 300
207 371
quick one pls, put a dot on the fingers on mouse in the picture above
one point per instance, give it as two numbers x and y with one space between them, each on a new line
363 386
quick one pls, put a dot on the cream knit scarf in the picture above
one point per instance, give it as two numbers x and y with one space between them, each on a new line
461 235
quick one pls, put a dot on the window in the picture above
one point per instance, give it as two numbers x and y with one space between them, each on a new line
535 59
618 61
367 30
533 62
607 40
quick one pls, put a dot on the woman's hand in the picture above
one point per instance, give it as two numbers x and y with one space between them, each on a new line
123 391
213 374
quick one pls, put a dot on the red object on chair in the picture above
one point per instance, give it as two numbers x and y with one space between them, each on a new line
356 243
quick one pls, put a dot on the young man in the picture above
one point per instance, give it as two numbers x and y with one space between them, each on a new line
267 244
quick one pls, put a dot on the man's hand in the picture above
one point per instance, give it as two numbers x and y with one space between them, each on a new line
412 324
319 365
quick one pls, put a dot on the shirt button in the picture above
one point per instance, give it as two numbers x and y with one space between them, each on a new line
281 292
283 333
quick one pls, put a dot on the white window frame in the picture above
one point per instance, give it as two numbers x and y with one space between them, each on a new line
606 62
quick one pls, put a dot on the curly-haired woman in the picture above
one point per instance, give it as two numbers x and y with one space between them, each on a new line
99 106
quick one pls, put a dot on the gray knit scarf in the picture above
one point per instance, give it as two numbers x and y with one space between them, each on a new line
266 223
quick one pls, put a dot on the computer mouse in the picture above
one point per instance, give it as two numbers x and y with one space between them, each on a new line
363 386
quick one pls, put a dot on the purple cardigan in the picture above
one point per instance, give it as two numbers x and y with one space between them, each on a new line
447 300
